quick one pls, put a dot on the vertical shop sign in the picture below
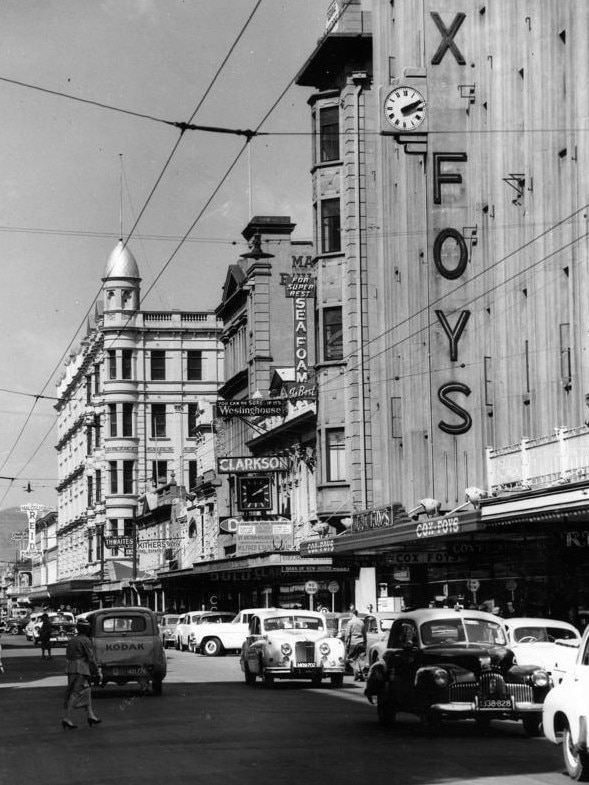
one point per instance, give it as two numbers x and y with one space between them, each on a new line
300 287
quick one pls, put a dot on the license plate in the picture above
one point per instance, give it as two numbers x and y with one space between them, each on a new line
132 670
495 703
306 665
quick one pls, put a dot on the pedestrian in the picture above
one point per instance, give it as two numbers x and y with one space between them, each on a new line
45 631
1 665
355 640
81 667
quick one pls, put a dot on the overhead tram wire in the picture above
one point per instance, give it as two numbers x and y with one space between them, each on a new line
86 315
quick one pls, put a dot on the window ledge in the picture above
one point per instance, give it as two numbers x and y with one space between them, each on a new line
327 164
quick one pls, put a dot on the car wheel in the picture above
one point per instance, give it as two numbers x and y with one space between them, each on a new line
337 681
13 630
316 681
177 644
533 725
386 712
156 687
576 761
250 678
268 679
212 647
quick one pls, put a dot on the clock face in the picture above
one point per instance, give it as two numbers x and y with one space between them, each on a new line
254 493
404 108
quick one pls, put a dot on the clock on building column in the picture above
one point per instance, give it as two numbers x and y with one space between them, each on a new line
404 112
254 493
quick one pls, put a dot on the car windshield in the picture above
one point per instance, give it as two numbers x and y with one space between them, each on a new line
169 620
538 633
458 630
385 624
293 623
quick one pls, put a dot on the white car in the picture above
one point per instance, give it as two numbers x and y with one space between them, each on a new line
565 715
29 629
185 627
292 644
215 640
548 643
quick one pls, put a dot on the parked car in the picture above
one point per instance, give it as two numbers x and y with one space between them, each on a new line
63 627
564 714
549 643
377 626
15 625
216 641
128 646
31 625
184 626
197 634
455 664
291 644
167 624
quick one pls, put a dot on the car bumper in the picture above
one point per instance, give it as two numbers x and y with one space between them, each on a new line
303 673
471 709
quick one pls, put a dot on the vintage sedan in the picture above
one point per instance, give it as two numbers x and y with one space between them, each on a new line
551 644
455 664
291 644
565 716
167 624
63 627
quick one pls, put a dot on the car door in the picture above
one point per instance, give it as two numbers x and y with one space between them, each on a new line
252 652
236 631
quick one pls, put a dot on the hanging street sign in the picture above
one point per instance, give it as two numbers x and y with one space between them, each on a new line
251 407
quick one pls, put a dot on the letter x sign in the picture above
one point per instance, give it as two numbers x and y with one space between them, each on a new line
448 38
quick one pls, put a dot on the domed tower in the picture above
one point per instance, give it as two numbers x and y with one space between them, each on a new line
121 282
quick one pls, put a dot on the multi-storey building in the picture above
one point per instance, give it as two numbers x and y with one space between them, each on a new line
127 409
461 195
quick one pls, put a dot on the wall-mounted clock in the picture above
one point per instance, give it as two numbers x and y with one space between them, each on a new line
254 493
405 108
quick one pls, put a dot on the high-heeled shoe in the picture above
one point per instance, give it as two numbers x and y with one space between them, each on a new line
93 721
67 725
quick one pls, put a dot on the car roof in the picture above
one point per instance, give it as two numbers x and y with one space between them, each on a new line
266 613
531 621
431 614
117 609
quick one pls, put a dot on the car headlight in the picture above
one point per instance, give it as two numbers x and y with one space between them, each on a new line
540 678
324 649
441 678
286 649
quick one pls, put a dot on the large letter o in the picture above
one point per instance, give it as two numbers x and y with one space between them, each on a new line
444 235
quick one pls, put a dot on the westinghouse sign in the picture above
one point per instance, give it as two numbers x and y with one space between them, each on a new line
251 407
248 463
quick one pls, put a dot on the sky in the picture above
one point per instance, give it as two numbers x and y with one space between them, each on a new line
67 167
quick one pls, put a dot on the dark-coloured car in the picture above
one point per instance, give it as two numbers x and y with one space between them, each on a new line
63 627
16 625
443 664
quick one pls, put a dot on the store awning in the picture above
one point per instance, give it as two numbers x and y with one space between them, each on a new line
39 593
547 504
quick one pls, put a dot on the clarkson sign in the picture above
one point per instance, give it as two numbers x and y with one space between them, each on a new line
249 463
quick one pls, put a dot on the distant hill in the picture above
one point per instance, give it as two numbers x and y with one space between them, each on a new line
11 520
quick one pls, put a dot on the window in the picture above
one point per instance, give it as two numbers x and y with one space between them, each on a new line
330 226
113 531
194 365
335 454
396 417
112 364
90 491
159 471
97 378
114 478
126 359
88 440
112 417
329 134
565 352
158 420
128 471
88 389
98 486
128 528
158 364
192 475
97 433
192 416
127 419
332 334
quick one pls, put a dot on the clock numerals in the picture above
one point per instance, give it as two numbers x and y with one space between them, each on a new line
405 108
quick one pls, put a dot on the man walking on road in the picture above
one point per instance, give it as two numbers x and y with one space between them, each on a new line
355 640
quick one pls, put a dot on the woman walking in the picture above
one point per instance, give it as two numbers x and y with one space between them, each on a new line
45 631
81 667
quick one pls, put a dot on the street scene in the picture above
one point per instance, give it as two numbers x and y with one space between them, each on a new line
294 417
209 725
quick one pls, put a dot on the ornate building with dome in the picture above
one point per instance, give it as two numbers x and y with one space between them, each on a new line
131 418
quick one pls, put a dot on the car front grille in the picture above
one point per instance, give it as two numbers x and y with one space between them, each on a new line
490 686
305 651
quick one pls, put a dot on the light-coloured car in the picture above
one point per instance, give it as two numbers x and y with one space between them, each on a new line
196 635
291 644
186 625
217 640
31 626
167 624
548 643
377 626
565 715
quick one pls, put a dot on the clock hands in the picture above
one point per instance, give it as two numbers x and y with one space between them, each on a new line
259 491
412 107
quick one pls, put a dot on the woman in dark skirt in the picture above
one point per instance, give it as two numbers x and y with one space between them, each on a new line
81 667
45 631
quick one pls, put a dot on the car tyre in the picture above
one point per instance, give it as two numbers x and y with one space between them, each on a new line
533 725
156 686
431 723
337 680
575 761
14 630
212 647
268 679
177 644
386 712
316 681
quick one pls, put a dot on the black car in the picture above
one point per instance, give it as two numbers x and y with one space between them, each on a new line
445 664
16 625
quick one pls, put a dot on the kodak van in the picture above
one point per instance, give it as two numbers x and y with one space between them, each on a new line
128 646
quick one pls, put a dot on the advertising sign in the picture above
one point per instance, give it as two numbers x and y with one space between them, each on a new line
159 545
262 536
118 542
299 285
317 547
249 463
251 407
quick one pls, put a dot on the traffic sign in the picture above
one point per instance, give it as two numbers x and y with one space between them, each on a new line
311 587
333 587
473 585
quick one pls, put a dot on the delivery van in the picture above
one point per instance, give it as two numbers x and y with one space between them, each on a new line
128 646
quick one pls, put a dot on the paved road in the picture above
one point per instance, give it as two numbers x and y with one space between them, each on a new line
209 727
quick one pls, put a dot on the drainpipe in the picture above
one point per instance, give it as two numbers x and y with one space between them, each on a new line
359 78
